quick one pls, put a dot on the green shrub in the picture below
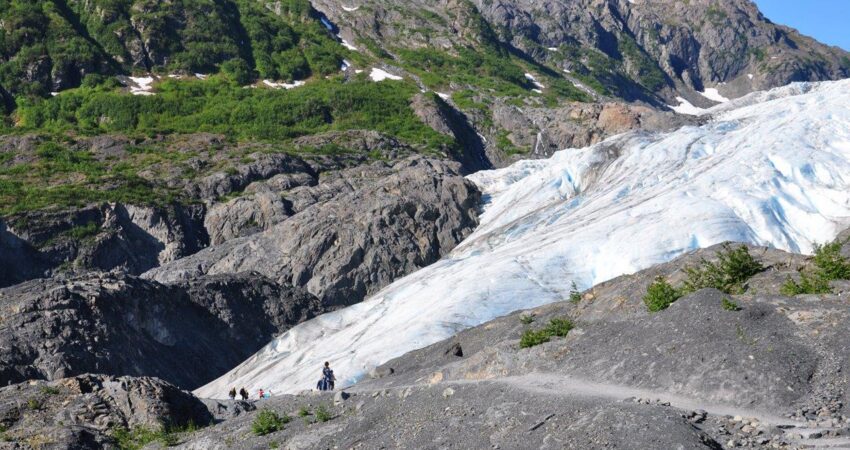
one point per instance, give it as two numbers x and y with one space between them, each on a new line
526 319
829 265
729 305
560 327
303 411
238 71
323 414
660 295
139 437
733 268
33 404
50 390
575 295
268 421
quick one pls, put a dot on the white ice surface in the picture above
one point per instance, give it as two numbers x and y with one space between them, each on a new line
381 75
770 168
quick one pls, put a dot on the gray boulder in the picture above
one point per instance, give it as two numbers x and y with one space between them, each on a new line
85 411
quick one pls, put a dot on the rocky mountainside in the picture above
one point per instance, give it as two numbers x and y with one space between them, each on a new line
630 48
208 194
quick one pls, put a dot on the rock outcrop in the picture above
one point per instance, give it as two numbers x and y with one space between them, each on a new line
353 233
118 324
87 411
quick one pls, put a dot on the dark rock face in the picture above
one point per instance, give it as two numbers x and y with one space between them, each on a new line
99 237
81 412
355 232
121 325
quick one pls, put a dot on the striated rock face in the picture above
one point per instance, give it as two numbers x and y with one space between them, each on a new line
121 325
353 233
82 412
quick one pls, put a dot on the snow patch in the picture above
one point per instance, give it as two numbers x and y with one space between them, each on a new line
201 76
350 8
772 171
283 85
381 75
714 95
685 107
443 96
138 85
347 44
750 76
534 81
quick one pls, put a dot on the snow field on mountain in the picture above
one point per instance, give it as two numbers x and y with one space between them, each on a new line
770 168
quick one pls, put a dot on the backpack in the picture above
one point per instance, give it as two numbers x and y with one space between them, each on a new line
323 385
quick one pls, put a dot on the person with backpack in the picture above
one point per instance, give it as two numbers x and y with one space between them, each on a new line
328 379
232 393
261 394
244 394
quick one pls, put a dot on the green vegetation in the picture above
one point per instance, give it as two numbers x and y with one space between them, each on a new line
60 174
575 294
526 319
650 75
84 231
733 268
323 414
557 327
45 40
829 265
729 305
268 421
216 106
660 295
50 390
303 411
139 437
33 404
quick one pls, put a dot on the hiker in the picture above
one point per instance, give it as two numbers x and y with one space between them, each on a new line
244 394
232 393
328 378
261 394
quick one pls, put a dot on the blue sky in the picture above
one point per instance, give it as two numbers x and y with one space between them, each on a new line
824 20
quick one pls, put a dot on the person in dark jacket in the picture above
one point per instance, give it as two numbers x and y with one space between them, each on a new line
243 393
232 393
328 375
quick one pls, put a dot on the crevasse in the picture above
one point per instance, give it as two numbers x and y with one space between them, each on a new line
772 168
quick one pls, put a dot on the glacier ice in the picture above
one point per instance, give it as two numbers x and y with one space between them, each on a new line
770 168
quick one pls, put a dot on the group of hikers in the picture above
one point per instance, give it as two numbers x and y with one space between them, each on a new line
326 383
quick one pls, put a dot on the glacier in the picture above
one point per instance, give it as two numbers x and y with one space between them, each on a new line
771 168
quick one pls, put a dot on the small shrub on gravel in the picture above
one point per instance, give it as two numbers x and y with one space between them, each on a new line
557 327
138 437
829 265
660 295
526 319
575 294
322 414
268 421
729 305
728 274
303 412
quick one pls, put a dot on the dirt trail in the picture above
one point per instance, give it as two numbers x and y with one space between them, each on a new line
797 432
